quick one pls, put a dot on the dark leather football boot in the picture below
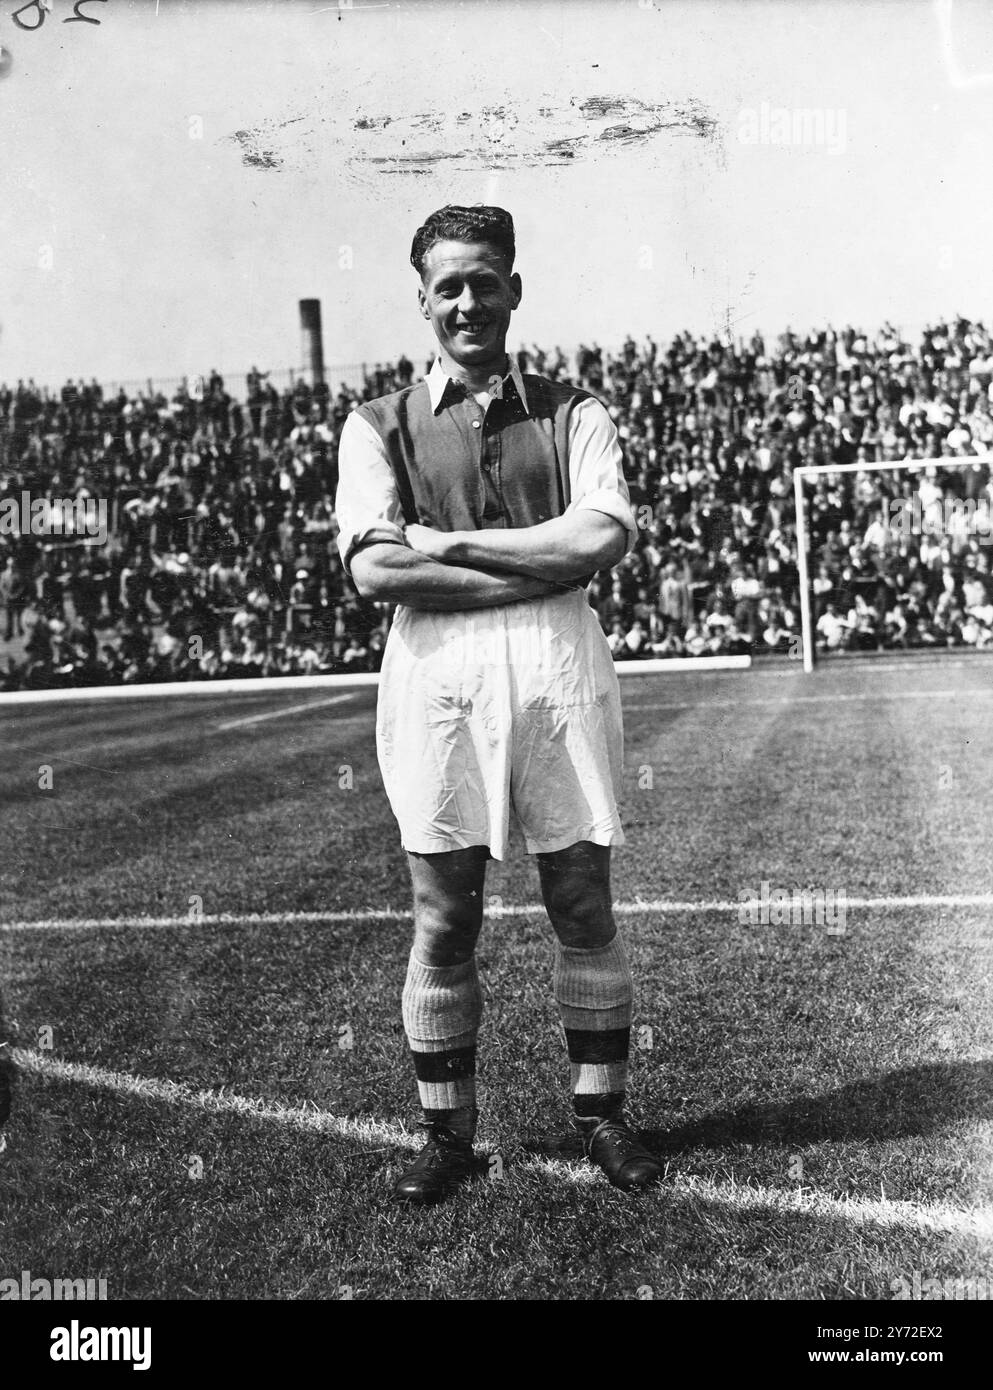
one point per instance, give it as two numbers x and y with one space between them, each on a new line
445 1162
615 1148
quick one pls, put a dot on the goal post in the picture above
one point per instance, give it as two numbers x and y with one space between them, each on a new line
806 472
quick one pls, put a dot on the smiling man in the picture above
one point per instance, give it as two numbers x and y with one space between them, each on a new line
481 502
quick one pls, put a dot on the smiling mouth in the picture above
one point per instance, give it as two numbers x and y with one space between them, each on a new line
473 330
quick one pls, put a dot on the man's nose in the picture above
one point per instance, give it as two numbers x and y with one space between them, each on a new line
467 301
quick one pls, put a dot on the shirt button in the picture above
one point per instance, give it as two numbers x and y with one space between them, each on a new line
475 424
486 467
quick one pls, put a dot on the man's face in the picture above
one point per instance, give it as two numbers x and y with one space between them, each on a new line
468 294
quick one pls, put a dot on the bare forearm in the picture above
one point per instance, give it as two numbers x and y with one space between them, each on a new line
565 548
396 574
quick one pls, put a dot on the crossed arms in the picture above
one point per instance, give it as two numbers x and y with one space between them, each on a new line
391 562
450 571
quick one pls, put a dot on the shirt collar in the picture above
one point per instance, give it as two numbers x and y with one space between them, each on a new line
438 381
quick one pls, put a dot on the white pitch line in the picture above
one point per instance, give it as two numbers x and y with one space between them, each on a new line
862 1211
282 713
869 1211
853 666
788 701
389 914
768 702
214 1102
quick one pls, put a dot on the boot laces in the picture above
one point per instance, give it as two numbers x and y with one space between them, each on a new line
620 1137
441 1141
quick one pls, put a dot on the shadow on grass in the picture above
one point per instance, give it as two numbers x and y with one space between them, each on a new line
281 1212
899 1104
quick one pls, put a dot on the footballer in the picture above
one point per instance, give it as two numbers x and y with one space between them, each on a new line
481 501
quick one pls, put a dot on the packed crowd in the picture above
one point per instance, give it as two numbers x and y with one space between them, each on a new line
221 559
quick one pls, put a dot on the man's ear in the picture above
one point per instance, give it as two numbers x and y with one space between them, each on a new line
422 300
518 289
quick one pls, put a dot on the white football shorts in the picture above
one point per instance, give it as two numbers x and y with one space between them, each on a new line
500 711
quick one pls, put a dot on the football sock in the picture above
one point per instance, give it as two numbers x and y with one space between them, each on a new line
442 1006
593 992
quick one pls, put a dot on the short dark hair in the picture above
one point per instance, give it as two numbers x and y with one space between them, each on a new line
451 223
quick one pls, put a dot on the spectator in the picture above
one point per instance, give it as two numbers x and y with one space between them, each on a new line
223 525
13 596
831 630
616 640
635 640
674 598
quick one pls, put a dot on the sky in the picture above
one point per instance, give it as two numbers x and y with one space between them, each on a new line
175 178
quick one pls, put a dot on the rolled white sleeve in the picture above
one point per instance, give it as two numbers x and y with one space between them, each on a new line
367 504
596 467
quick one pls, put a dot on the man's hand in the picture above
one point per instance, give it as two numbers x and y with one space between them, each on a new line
427 541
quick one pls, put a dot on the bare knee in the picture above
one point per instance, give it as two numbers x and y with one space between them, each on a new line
448 905
442 936
575 886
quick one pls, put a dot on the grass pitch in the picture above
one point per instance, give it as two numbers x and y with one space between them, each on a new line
215 1106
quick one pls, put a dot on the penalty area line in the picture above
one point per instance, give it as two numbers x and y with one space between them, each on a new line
281 713
389 914
369 1132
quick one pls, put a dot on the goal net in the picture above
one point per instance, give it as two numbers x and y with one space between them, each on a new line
895 555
